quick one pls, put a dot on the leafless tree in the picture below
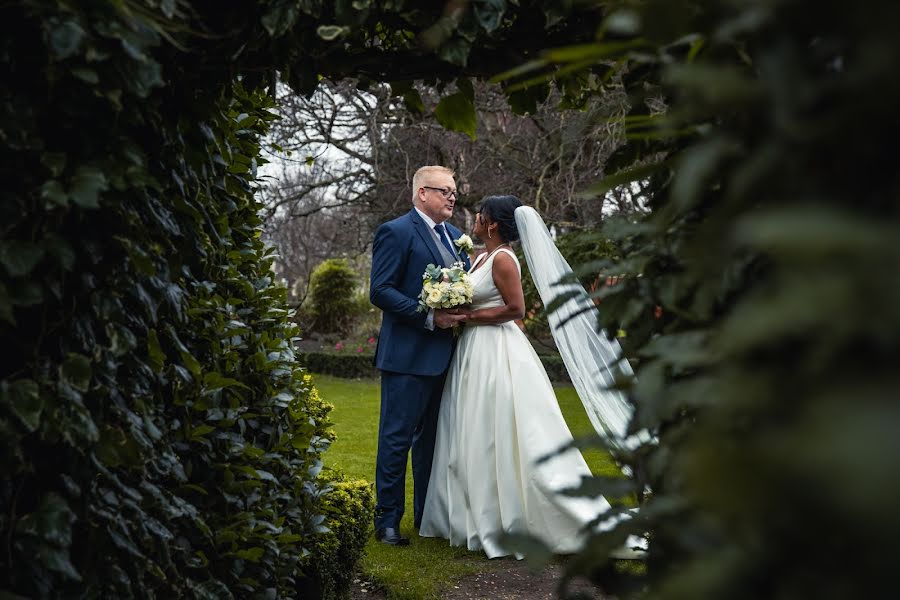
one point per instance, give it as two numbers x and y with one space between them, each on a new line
323 175
348 155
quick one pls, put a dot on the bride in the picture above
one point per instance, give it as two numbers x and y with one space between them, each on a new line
499 413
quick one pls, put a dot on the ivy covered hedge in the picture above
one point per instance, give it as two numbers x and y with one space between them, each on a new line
159 436
763 135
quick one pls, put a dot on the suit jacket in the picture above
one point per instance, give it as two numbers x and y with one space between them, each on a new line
401 251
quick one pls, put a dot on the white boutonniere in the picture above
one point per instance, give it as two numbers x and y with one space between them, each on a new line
465 244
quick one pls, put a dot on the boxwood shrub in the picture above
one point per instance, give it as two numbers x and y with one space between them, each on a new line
348 506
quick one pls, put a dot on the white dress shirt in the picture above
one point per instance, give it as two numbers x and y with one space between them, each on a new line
429 319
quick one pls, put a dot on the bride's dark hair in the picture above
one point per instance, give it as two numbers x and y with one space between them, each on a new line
501 210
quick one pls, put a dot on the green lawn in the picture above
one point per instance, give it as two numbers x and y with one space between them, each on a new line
427 565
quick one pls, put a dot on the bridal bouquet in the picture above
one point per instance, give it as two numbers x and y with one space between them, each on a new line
445 287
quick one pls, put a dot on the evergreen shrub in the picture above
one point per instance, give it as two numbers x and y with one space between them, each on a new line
333 299
348 506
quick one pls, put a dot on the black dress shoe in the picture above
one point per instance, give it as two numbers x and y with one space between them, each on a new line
391 536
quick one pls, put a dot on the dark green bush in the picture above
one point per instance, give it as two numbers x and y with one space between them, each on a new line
349 365
353 366
334 298
349 507
764 134
580 248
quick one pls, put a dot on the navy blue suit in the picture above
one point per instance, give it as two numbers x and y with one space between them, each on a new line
413 363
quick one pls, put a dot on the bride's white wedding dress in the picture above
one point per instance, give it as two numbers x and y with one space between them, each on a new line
498 416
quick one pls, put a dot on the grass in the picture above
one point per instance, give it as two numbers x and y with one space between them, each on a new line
422 570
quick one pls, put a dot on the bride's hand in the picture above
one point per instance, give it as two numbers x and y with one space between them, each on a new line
464 310
444 318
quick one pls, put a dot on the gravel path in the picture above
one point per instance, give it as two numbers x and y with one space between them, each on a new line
511 581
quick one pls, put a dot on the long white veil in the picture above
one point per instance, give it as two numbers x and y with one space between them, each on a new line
590 358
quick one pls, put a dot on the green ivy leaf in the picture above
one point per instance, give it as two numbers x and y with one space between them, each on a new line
87 184
191 363
489 13
251 554
411 97
51 522
455 51
280 18
59 248
466 88
65 39
413 102
331 32
58 560
86 75
525 100
54 192
155 352
214 380
24 400
51 527
76 369
19 258
145 77
201 430
457 113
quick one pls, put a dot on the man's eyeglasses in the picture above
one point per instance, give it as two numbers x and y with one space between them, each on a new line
445 192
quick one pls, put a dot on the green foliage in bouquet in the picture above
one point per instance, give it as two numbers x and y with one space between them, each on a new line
445 287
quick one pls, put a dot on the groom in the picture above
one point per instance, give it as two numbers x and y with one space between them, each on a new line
414 348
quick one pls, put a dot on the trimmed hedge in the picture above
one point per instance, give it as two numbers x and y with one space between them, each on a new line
360 366
348 366
349 508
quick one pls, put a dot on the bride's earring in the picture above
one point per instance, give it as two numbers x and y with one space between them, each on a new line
489 234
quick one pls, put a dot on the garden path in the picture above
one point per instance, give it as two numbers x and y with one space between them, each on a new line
511 581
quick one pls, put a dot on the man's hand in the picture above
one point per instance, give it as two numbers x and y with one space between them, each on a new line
448 318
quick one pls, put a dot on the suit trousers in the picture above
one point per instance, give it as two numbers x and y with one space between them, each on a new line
408 420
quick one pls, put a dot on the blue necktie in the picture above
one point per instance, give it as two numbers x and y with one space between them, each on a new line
439 228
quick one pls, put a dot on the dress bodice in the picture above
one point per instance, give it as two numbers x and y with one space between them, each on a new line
486 294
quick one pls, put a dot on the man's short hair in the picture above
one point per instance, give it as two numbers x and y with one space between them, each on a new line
423 172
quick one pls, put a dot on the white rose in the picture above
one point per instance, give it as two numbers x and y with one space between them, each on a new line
464 243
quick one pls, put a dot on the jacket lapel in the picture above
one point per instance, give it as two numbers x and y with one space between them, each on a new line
422 229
